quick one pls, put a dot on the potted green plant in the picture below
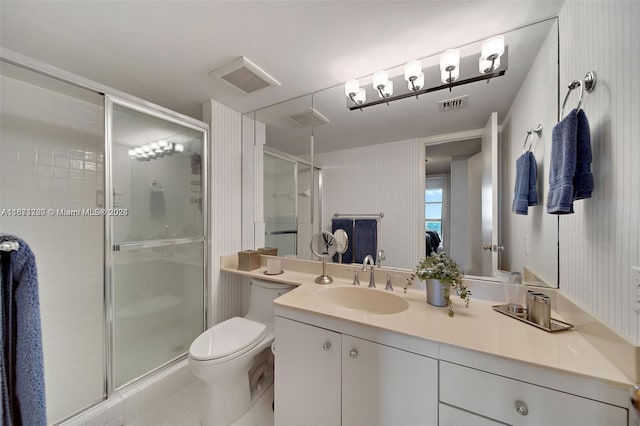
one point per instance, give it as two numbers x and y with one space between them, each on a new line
440 273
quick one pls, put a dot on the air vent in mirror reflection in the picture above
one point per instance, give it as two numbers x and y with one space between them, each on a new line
453 103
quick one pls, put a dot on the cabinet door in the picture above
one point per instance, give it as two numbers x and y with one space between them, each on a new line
307 375
451 416
519 403
382 385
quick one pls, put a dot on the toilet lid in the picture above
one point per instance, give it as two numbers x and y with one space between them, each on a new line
226 338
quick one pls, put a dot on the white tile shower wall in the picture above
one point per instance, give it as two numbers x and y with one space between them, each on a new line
397 174
600 242
530 108
51 156
136 402
229 292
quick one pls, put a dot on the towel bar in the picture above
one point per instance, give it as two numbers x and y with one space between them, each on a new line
9 246
588 84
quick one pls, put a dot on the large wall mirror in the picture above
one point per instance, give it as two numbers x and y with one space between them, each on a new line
287 208
441 172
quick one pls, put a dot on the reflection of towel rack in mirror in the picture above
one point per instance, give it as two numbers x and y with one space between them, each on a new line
588 84
156 186
530 132
377 216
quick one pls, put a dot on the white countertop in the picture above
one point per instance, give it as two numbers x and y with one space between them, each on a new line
478 327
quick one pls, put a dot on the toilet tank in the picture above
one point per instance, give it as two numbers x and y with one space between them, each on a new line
261 297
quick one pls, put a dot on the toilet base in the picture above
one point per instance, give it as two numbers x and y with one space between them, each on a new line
229 395
221 406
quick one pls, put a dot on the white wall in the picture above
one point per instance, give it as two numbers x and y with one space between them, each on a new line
459 229
353 179
600 242
531 107
52 156
229 292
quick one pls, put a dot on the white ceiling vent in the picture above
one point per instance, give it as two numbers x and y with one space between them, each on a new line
309 118
245 75
453 103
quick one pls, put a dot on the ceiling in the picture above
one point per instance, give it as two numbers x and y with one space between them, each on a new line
163 51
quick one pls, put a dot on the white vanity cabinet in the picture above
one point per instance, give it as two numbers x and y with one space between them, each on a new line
517 402
307 375
325 378
382 385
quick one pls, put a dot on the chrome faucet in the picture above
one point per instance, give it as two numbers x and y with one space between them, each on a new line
380 257
368 260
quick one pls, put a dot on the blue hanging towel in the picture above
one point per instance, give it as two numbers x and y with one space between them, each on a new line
365 236
525 191
570 175
347 225
21 360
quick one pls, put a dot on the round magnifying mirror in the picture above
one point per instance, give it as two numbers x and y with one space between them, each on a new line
323 245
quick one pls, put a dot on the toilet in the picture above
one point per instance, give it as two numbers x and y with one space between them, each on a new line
234 357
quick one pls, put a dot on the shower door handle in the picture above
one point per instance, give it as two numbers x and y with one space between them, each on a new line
138 245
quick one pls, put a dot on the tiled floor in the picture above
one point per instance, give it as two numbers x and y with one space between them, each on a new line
182 410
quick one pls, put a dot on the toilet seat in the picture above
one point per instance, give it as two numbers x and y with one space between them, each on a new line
228 339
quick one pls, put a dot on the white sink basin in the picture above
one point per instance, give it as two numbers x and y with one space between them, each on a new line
364 299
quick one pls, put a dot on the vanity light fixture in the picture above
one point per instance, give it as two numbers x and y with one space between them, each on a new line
489 66
354 92
382 84
414 75
450 66
154 150
490 53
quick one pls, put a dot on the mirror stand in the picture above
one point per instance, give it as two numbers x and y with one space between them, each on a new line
324 278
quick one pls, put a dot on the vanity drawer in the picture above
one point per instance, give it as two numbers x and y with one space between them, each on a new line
520 403
451 416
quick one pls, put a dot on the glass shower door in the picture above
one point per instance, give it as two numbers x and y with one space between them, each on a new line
280 206
156 211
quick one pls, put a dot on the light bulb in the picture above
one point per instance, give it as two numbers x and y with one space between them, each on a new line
169 147
163 144
139 150
450 59
145 148
387 90
133 153
412 69
361 96
178 147
492 47
485 66
444 75
418 83
351 87
380 78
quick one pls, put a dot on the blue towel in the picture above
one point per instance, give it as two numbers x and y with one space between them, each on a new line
570 175
21 360
564 141
583 180
365 239
525 193
347 225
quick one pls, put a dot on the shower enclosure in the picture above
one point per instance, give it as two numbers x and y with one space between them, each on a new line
110 193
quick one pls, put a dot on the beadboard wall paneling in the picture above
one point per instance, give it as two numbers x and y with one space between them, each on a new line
531 106
353 180
599 243
229 293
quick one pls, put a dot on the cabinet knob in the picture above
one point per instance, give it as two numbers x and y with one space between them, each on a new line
634 394
353 353
522 408
326 346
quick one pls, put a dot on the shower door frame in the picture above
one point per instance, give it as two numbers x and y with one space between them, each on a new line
112 96
110 247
